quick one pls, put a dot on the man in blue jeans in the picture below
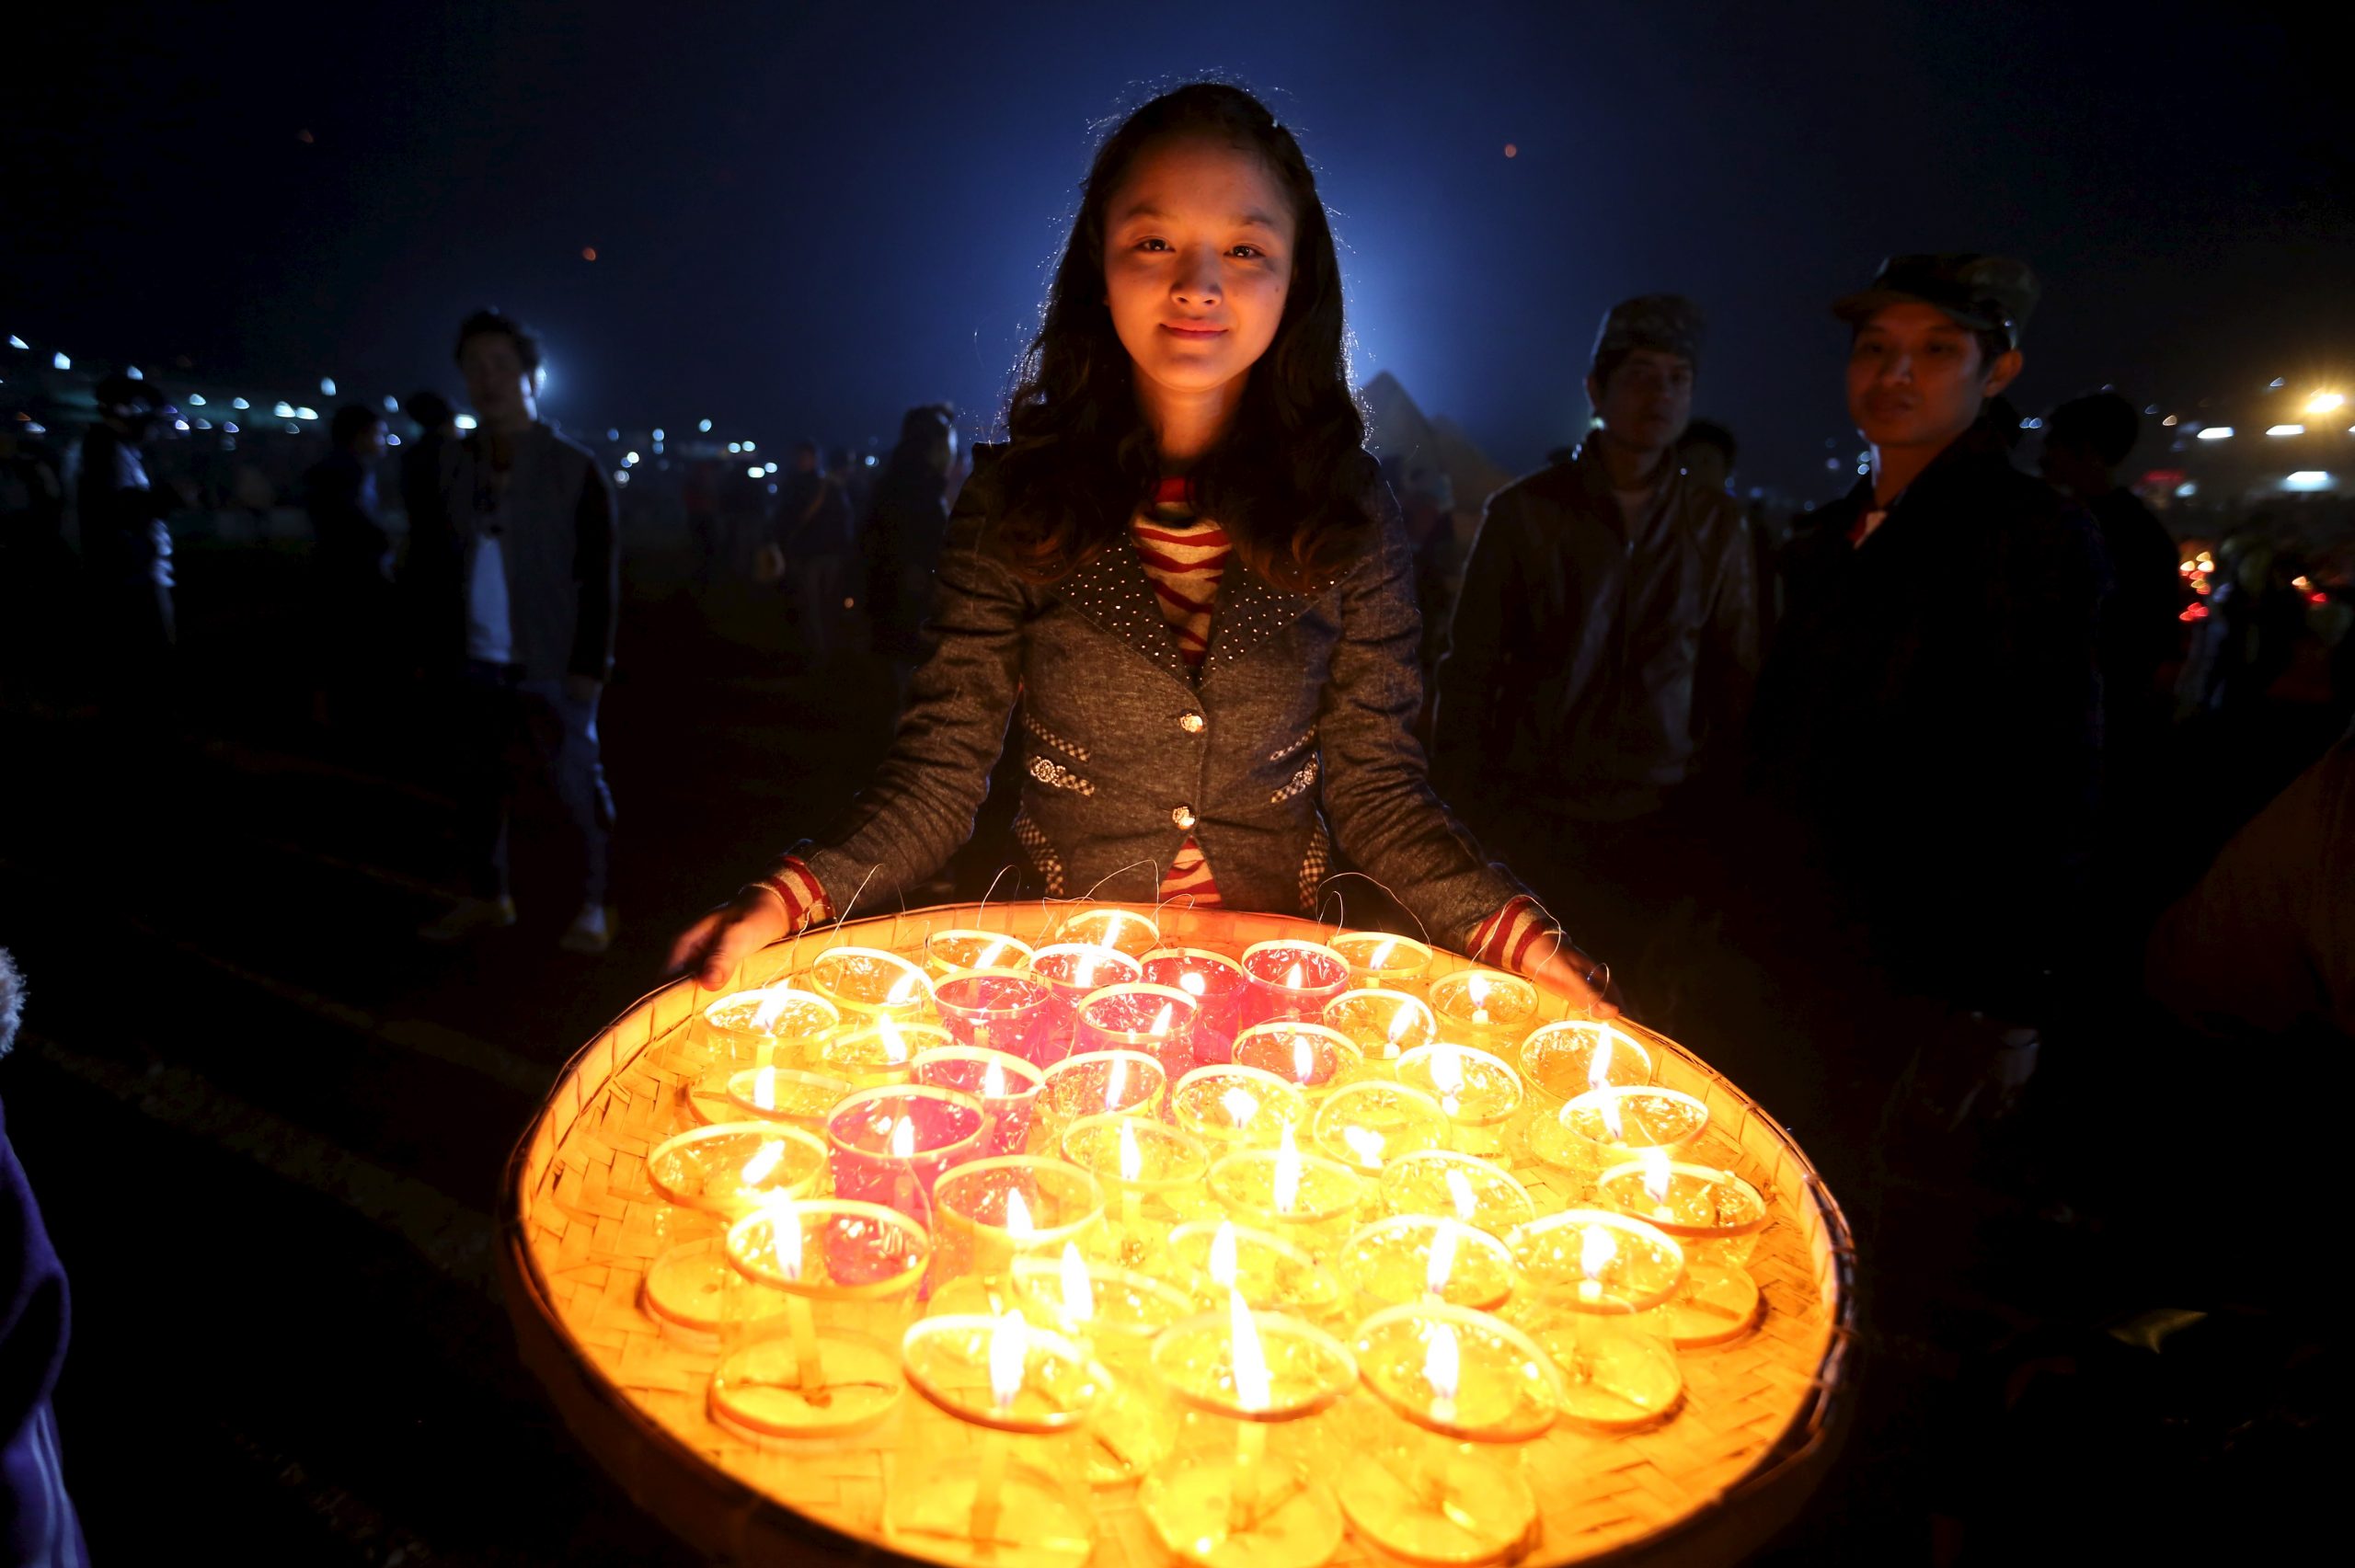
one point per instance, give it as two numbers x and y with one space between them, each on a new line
527 541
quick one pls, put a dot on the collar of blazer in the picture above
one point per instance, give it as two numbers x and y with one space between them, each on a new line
1111 590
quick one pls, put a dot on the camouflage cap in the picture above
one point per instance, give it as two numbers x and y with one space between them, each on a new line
1669 323
1985 293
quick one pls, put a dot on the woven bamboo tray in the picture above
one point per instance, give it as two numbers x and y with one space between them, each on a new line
1761 1419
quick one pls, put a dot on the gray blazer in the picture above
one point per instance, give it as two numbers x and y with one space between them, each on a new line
1296 734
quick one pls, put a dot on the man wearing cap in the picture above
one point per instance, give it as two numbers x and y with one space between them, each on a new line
1604 646
1931 710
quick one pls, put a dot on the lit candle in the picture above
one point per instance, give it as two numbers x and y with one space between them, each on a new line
884 1053
775 1026
770 1094
1234 1106
1156 1019
870 982
1715 1217
1106 1084
1114 1314
889 1145
724 1170
948 952
1561 1060
1153 1168
1370 1124
1382 1025
999 1009
1413 1257
1273 1274
1592 1280
1216 983
1007 1086
1289 979
1312 1058
1379 960
989 1212
1605 1126
1464 1186
1479 1093
1303 1196
1074 971
1124 930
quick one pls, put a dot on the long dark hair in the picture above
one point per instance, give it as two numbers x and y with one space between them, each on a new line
1290 480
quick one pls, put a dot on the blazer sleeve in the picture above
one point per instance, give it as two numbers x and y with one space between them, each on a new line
920 805
1386 817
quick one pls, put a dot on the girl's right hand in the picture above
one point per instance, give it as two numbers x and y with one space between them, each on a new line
723 939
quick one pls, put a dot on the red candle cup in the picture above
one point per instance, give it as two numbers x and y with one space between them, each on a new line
1291 979
1074 971
999 1010
1214 980
1156 1019
888 1146
1007 1086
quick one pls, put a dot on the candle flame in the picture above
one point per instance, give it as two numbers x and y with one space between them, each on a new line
1018 1214
1252 1389
1010 1353
1117 1085
1475 991
1607 1107
895 1044
1442 1369
993 1082
1304 1061
1192 984
1240 1103
1079 1295
1083 967
786 1229
989 955
764 1089
1287 1174
767 1158
1443 1261
1223 1262
1364 1143
1597 1247
1447 1072
1459 1193
1598 1067
1163 1019
1655 1164
1380 956
1402 1018
772 1003
1295 979
1131 1158
903 989
903 1139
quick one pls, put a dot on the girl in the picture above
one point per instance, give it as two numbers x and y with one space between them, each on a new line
1182 578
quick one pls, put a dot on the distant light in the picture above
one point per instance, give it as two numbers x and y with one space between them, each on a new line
284 410
327 387
195 400
180 424
612 435
392 403
621 475
2307 479
2193 612
2032 424
736 446
756 471
2325 403
230 426
465 422
239 404
1863 468
60 361
2278 383
657 436
2170 419
747 446
391 440
16 342
1830 463
588 253
1511 150
2188 488
705 426
228 443
204 424
771 489
2286 430
293 429
768 467
2149 408
132 370
630 460
870 459
2217 433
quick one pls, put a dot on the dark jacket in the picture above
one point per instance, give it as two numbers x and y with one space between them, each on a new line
1932 713
1591 670
559 543
813 517
900 542
1304 703
340 494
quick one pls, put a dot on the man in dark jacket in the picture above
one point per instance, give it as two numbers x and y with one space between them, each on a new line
1932 711
539 580
812 528
1603 649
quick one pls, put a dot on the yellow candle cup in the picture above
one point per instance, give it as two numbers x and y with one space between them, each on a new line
1378 960
1150 1172
1423 1257
1465 1188
1486 1008
948 952
1236 1107
1479 1093
1368 1124
1382 1025
872 983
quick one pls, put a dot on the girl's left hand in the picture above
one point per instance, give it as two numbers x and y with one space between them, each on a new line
1586 981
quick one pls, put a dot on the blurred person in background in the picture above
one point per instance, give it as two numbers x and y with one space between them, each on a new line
434 559
1708 453
906 520
535 596
352 559
128 553
37 568
812 530
1602 652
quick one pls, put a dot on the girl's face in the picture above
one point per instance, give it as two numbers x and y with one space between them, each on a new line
1197 262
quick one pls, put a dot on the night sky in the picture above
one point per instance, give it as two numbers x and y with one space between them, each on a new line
806 218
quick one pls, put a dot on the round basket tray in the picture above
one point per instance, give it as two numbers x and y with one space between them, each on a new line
1761 1419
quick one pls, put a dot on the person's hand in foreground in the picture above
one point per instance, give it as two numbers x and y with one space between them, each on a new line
716 945
1567 972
